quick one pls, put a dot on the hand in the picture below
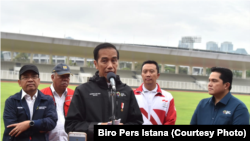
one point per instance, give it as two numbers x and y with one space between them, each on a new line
19 128
107 123
104 123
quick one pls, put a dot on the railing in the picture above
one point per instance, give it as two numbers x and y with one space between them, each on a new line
46 77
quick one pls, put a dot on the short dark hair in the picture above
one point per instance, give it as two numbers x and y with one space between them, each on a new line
102 46
226 75
150 62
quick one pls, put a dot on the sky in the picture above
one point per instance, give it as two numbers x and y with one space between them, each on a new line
149 22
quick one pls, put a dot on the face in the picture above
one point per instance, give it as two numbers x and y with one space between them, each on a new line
29 82
215 85
149 74
60 82
107 61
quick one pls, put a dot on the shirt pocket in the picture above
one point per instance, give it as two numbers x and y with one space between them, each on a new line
225 119
21 114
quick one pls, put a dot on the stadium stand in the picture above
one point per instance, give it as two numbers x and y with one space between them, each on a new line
10 69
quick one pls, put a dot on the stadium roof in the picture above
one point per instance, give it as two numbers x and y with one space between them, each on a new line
128 52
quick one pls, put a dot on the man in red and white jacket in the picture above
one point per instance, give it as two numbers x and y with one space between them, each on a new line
62 97
156 105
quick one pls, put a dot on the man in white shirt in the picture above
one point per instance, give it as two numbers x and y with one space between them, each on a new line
62 97
29 114
156 105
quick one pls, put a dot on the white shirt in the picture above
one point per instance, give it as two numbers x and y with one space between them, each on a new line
58 133
156 107
149 95
30 101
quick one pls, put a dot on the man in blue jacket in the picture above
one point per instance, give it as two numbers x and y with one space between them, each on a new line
29 114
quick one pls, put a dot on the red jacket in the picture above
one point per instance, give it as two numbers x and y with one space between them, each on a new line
68 98
161 112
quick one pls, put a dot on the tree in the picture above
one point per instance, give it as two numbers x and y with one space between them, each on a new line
169 69
138 66
22 57
71 63
183 70
90 64
237 73
208 71
248 73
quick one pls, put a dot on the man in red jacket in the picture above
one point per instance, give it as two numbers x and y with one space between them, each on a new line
156 105
62 97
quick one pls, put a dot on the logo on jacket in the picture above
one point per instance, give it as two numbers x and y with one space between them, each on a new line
123 94
94 94
41 107
19 107
226 112
165 103
120 94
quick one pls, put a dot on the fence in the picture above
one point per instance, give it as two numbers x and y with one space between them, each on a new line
46 77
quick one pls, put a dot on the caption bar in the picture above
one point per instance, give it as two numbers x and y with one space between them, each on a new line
182 131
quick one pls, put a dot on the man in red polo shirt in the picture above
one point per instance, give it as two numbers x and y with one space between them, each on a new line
62 97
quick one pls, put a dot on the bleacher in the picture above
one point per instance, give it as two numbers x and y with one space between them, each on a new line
175 77
9 70
7 65
242 82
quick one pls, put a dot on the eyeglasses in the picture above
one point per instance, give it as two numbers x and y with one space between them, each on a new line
28 77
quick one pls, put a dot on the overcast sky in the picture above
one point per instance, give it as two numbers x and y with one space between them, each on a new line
140 22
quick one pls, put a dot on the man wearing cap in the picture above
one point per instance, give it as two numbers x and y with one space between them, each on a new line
62 97
29 114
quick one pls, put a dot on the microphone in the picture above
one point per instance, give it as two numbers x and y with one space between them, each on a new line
111 77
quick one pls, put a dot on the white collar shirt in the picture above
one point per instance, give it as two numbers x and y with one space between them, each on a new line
30 101
58 133
149 96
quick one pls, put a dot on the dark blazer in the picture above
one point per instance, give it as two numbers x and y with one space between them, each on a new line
16 110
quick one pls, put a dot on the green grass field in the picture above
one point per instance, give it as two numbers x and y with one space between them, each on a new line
185 102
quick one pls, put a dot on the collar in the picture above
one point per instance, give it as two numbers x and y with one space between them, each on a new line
224 100
54 91
144 89
24 94
139 90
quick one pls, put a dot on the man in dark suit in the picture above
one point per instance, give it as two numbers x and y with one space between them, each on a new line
29 114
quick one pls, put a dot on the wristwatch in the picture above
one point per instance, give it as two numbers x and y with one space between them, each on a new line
32 123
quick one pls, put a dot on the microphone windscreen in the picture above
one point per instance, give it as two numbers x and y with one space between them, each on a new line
111 75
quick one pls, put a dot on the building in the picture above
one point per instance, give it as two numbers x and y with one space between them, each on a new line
240 51
212 46
185 45
226 47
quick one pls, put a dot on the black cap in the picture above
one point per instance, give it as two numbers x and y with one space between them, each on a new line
61 69
28 68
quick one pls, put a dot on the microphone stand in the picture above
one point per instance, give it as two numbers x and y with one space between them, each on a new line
113 92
